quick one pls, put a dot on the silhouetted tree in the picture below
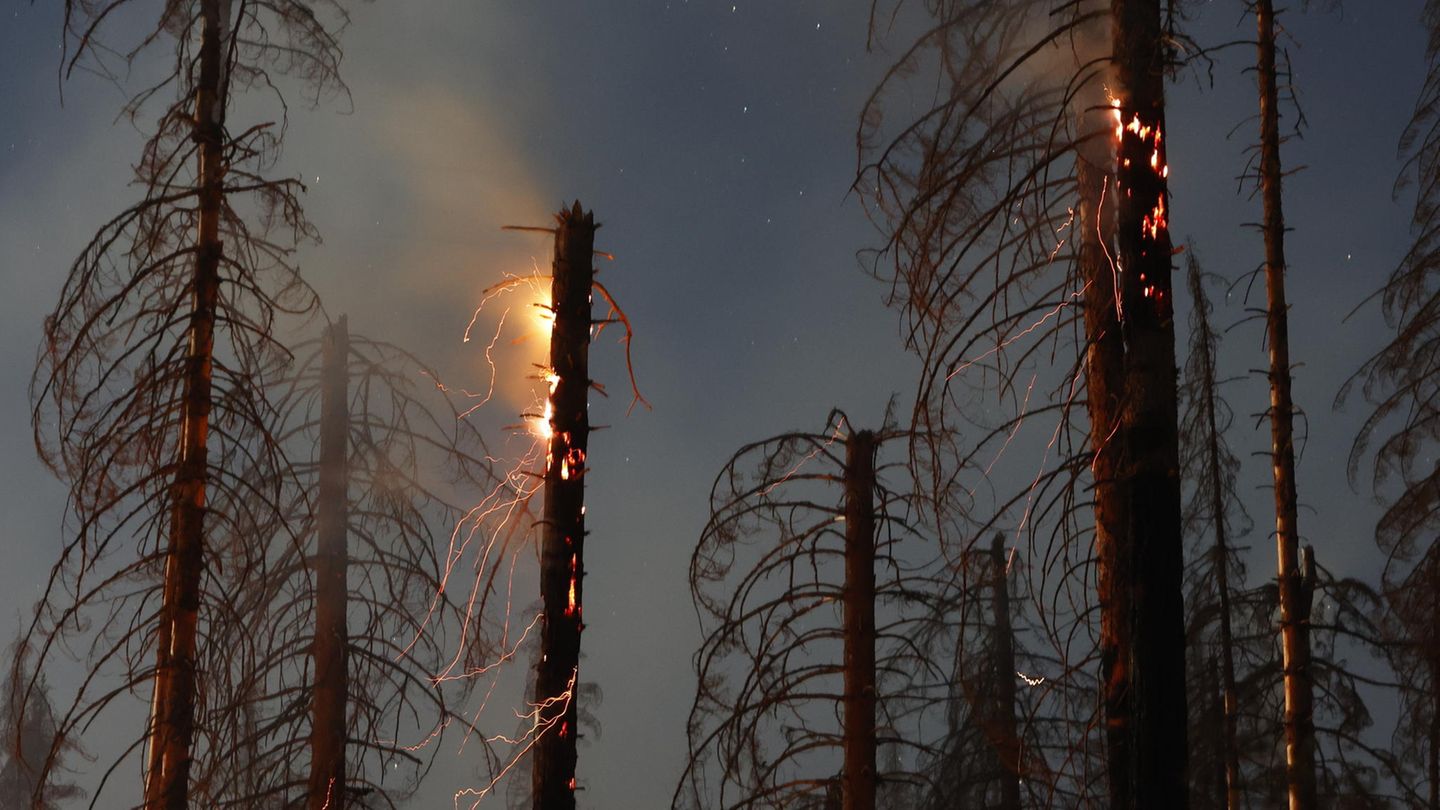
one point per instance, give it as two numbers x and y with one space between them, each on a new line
783 706
1214 516
32 740
148 386
359 630
979 197
1399 381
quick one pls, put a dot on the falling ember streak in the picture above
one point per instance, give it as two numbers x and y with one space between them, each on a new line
834 437
488 535
1032 327
1031 680
538 728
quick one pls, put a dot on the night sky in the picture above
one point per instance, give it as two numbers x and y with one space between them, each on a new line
716 142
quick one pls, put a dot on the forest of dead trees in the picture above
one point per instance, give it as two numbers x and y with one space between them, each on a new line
293 568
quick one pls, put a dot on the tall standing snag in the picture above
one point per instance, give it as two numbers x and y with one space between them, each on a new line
1299 700
562 544
148 391
173 708
331 692
1148 435
859 785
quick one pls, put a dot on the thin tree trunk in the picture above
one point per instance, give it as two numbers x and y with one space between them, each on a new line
1217 725
1230 752
331 694
1432 769
1104 370
1007 747
172 718
1149 472
1299 700
859 623
562 550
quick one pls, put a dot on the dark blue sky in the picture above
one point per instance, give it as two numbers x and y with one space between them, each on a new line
716 143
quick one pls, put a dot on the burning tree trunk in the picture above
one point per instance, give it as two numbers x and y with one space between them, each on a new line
1007 744
1299 700
330 695
562 549
172 719
1148 434
859 628
1203 345
1104 369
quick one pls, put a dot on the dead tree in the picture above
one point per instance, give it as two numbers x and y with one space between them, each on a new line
145 389
986 755
30 779
979 198
365 649
810 694
562 543
1399 437
331 693
1299 700
858 791
1148 434
1209 464
1009 758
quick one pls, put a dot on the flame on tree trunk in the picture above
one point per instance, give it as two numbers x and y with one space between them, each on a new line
562 545
172 711
331 695
1007 742
1230 752
1104 369
858 792
1295 649
1148 435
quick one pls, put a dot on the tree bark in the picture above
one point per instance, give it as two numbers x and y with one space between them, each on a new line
1104 370
859 623
1230 752
172 712
1007 746
1149 438
1299 700
562 549
331 696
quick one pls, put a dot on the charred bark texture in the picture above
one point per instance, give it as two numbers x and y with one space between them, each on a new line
1299 690
562 551
1007 744
172 719
1104 371
331 694
859 623
1148 435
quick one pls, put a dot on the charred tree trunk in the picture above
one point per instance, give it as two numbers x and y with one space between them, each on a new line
331 695
1149 438
859 623
1007 746
1230 752
172 711
1104 370
562 545
1299 699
